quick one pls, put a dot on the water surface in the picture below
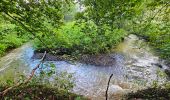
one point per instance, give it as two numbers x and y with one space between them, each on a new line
135 67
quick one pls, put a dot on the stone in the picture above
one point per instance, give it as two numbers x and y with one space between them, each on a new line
114 89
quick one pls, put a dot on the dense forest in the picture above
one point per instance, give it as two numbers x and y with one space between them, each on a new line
83 31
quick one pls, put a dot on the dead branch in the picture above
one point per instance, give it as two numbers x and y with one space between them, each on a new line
108 86
28 79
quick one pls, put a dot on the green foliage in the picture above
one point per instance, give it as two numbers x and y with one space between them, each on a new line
46 83
101 26
48 78
3 48
69 13
48 75
38 92
36 17
111 12
158 93
11 36
154 24
149 19
85 38
12 41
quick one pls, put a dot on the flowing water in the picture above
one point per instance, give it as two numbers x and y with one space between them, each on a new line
136 67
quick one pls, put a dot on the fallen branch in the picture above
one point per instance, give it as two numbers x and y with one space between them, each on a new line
108 86
28 79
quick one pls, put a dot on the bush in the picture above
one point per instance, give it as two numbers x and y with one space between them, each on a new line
11 36
38 92
84 38
47 84
9 42
3 47
150 94
159 38
155 30
12 40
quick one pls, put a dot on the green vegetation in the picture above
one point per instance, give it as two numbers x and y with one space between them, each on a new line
11 36
103 24
97 29
39 92
84 38
153 25
37 19
153 93
40 87
57 27
144 18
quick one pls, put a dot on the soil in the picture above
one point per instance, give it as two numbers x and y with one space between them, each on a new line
97 60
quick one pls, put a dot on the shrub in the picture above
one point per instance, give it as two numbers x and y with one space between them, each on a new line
3 47
159 38
84 38
12 40
11 36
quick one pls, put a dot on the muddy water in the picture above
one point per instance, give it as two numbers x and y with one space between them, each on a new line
136 67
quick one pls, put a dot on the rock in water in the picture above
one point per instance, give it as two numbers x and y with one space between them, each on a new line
114 89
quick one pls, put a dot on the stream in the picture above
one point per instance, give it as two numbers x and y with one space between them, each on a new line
136 67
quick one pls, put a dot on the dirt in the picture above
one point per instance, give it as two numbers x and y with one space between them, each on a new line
97 60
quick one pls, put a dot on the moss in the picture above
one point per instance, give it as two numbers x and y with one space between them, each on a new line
38 92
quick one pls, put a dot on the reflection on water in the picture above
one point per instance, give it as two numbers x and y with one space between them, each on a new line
135 67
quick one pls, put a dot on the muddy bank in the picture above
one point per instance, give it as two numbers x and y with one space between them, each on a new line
97 60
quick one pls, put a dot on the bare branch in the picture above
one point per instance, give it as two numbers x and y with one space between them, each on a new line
108 86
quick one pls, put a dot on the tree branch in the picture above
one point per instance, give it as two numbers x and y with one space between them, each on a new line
26 28
28 79
108 87
151 19
30 31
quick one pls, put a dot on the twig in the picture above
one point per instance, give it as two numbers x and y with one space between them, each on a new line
28 79
108 86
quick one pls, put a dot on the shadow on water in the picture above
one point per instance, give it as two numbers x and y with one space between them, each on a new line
135 67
